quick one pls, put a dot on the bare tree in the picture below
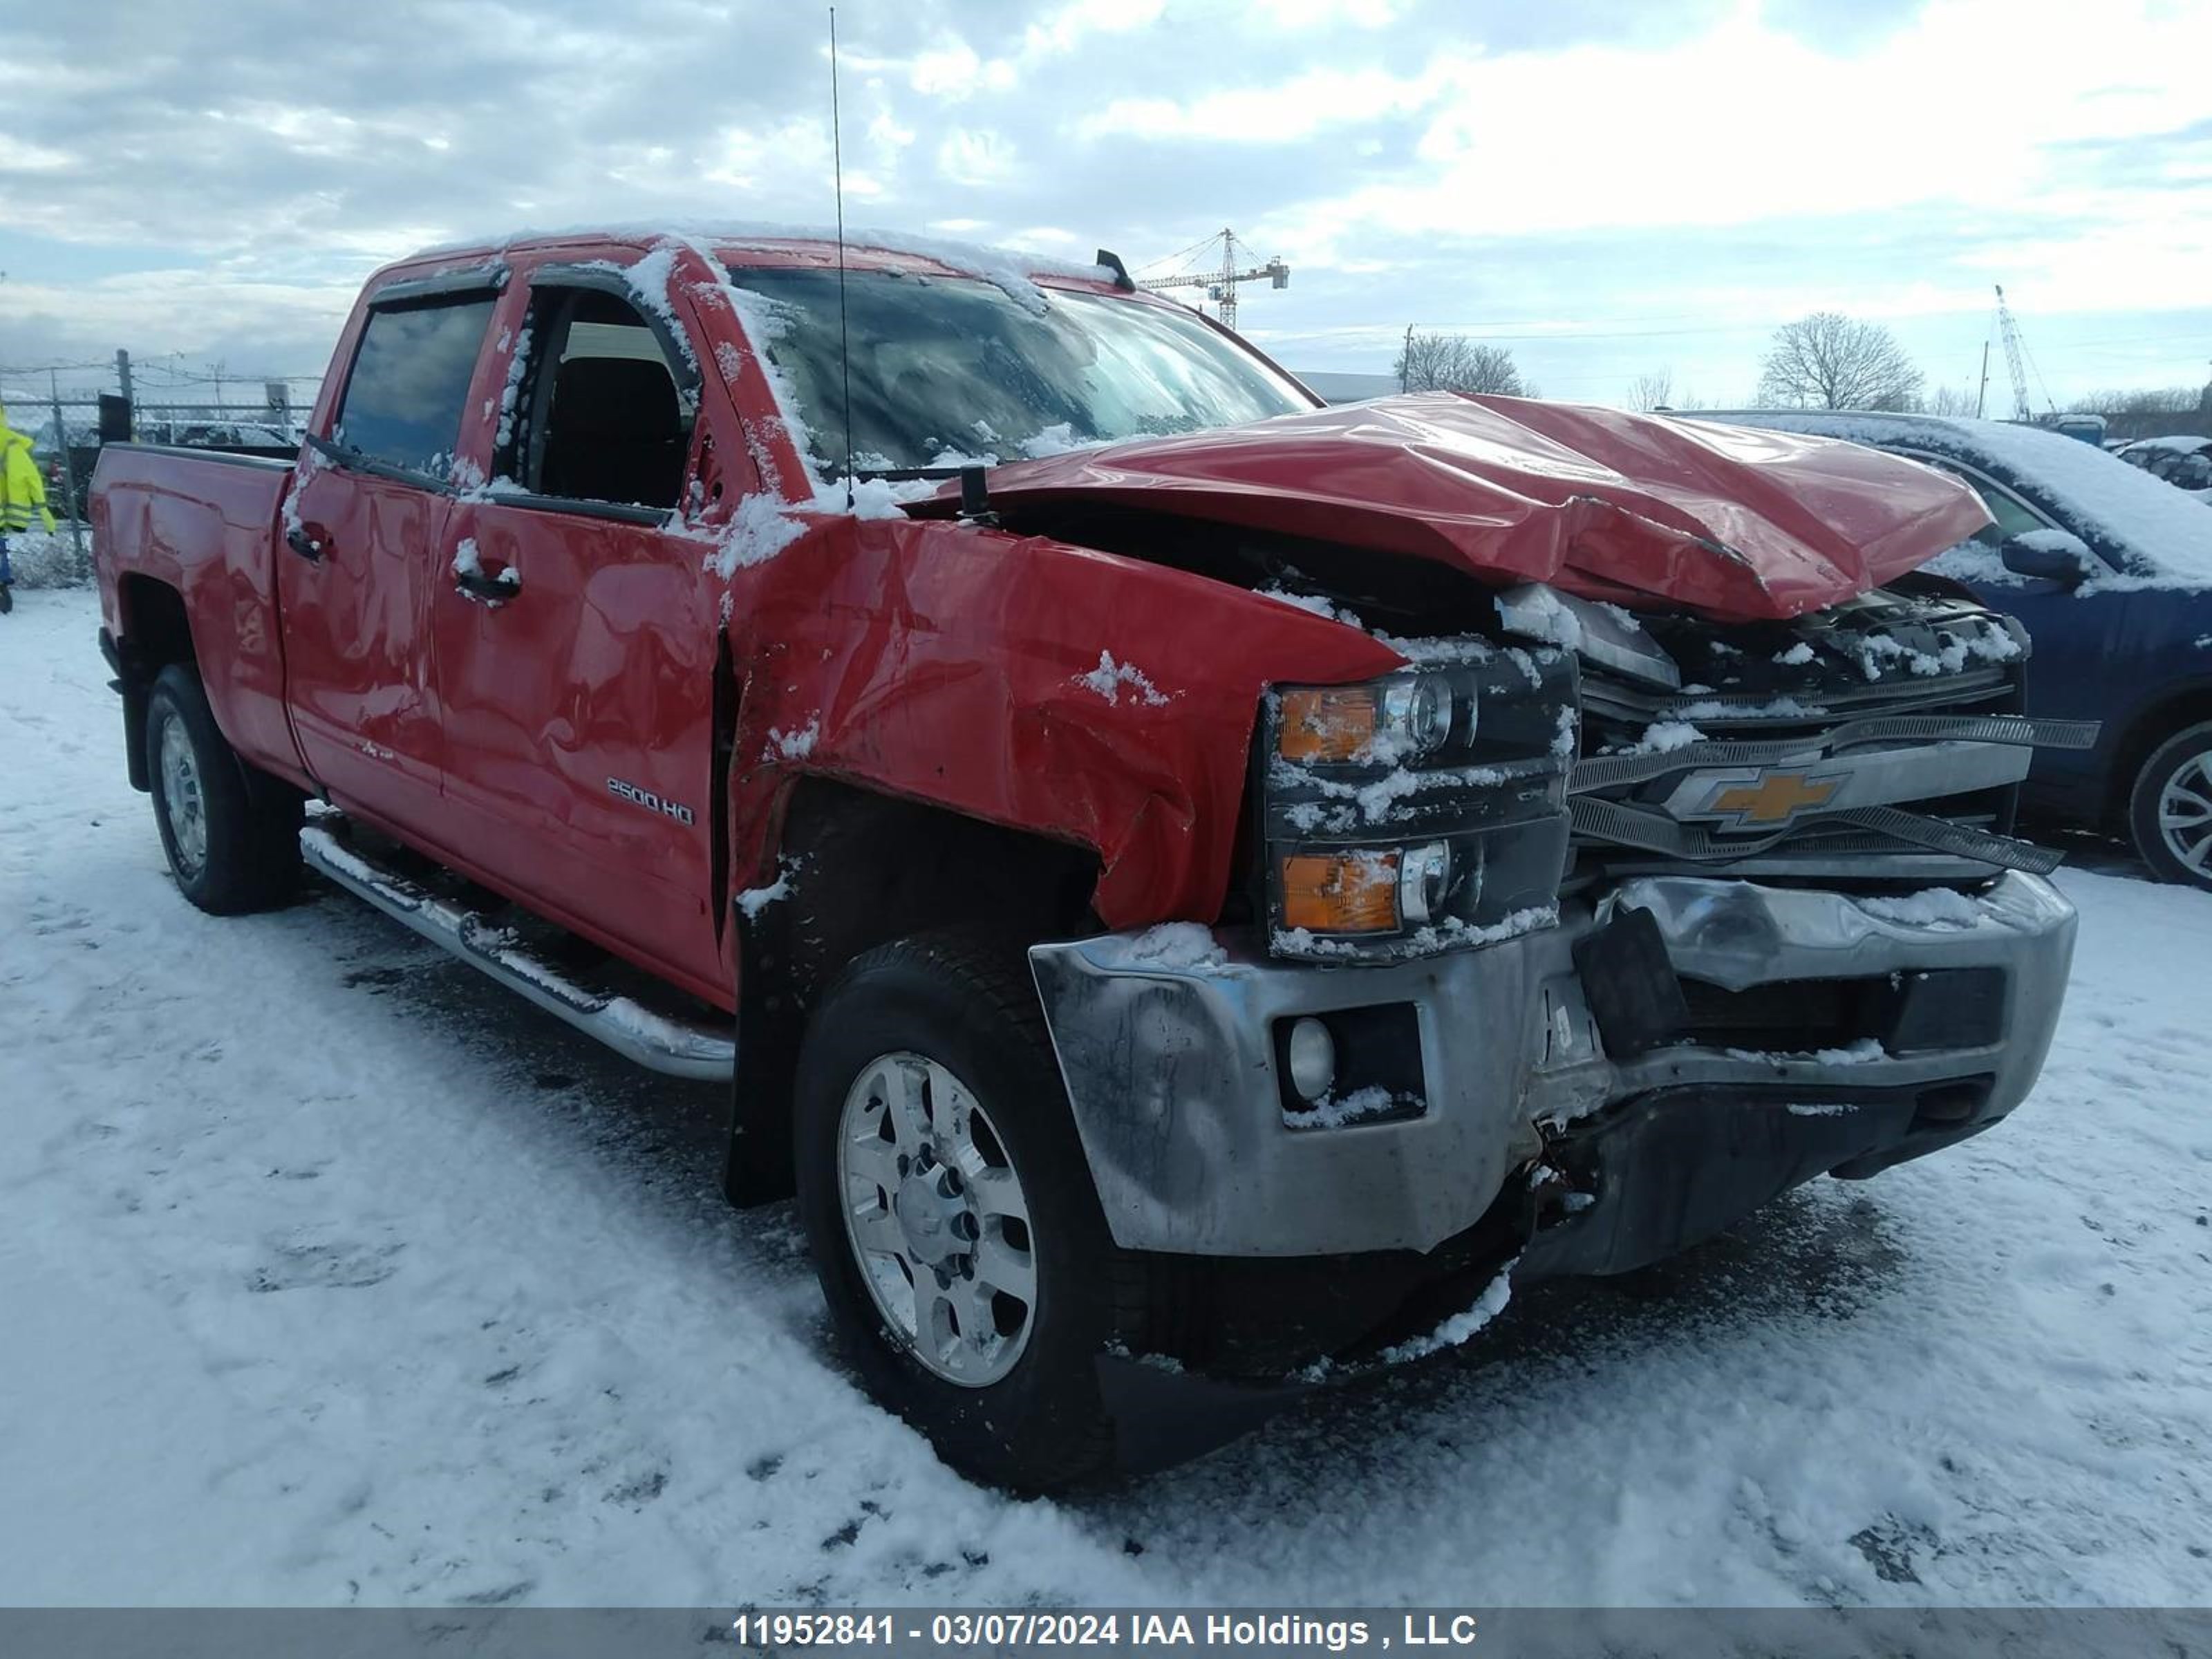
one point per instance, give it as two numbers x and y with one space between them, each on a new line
1950 400
1653 391
1452 362
1829 361
2163 400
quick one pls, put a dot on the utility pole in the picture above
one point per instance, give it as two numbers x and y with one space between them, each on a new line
69 473
123 371
1982 396
1406 360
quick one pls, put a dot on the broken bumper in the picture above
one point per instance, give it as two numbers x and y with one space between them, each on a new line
1824 1032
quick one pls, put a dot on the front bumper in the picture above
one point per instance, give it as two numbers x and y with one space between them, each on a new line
1172 1067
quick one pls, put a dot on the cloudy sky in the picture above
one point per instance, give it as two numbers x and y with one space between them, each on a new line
1608 187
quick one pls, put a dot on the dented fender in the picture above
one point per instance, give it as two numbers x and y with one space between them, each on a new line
1052 689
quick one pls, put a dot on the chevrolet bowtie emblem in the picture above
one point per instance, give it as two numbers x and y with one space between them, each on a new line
1770 799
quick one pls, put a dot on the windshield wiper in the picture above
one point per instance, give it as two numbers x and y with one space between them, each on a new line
911 474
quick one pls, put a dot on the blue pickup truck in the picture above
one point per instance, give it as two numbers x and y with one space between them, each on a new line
2110 568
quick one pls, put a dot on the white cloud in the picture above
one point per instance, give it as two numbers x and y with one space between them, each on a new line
17 155
975 159
1321 14
1614 182
1065 29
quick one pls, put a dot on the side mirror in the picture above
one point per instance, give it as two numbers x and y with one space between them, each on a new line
2051 555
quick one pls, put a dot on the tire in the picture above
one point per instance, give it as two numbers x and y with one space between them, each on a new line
231 835
2170 829
940 1008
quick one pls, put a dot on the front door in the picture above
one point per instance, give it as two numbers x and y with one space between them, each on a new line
575 642
362 547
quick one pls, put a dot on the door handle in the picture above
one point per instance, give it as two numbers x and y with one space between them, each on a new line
492 590
306 543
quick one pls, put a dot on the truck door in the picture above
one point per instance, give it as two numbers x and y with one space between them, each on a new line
362 546
575 638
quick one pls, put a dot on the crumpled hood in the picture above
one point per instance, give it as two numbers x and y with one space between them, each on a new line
1736 523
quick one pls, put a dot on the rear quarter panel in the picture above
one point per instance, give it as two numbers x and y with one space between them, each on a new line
203 526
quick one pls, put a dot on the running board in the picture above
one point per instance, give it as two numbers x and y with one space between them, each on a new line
675 1047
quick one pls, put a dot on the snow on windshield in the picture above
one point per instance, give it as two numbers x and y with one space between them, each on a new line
2107 500
947 370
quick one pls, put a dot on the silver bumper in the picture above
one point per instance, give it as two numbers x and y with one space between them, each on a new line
1172 1072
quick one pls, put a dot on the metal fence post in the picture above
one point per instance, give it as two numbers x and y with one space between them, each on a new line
83 565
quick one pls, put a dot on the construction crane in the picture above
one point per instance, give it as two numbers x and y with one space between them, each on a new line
1220 281
2008 330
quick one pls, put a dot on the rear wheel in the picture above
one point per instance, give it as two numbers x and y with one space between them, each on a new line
2169 811
232 836
945 1194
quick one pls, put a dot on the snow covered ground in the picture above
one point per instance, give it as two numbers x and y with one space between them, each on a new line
330 1275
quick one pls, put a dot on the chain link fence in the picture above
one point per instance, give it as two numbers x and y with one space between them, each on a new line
160 403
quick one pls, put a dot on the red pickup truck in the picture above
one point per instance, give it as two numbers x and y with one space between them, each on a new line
1178 876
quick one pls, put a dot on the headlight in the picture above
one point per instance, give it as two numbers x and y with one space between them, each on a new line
1396 821
1350 892
1398 719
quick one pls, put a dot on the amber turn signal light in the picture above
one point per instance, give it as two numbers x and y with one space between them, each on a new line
1340 892
1328 722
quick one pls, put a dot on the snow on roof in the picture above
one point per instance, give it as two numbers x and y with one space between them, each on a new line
1010 269
2105 499
2181 443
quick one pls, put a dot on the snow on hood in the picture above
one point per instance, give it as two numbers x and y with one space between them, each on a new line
1742 525
2161 531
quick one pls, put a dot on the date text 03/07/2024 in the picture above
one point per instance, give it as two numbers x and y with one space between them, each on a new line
1001 1630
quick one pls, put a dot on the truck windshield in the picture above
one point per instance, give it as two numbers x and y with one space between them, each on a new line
951 369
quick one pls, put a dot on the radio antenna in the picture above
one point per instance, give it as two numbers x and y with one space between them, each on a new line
844 335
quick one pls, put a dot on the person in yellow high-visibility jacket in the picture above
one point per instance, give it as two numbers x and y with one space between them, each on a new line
22 499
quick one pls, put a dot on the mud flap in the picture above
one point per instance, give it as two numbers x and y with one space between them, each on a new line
1164 1416
757 1168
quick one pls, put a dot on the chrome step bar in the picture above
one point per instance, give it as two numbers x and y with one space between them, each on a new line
675 1047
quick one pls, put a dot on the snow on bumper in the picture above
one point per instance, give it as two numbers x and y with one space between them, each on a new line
1175 1062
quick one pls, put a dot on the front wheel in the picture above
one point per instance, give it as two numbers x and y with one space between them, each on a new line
2170 811
950 1212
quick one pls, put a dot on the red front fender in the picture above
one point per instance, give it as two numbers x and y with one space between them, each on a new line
1098 700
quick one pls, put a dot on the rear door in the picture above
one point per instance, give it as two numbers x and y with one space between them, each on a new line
362 548
575 638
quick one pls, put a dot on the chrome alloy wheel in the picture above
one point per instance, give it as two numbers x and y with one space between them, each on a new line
181 798
2185 813
937 1218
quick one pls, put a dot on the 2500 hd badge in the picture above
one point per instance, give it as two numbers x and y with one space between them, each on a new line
651 802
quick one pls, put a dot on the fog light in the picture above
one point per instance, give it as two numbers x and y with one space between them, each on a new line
1313 1059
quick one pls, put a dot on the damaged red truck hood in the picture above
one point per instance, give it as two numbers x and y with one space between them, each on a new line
1639 510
